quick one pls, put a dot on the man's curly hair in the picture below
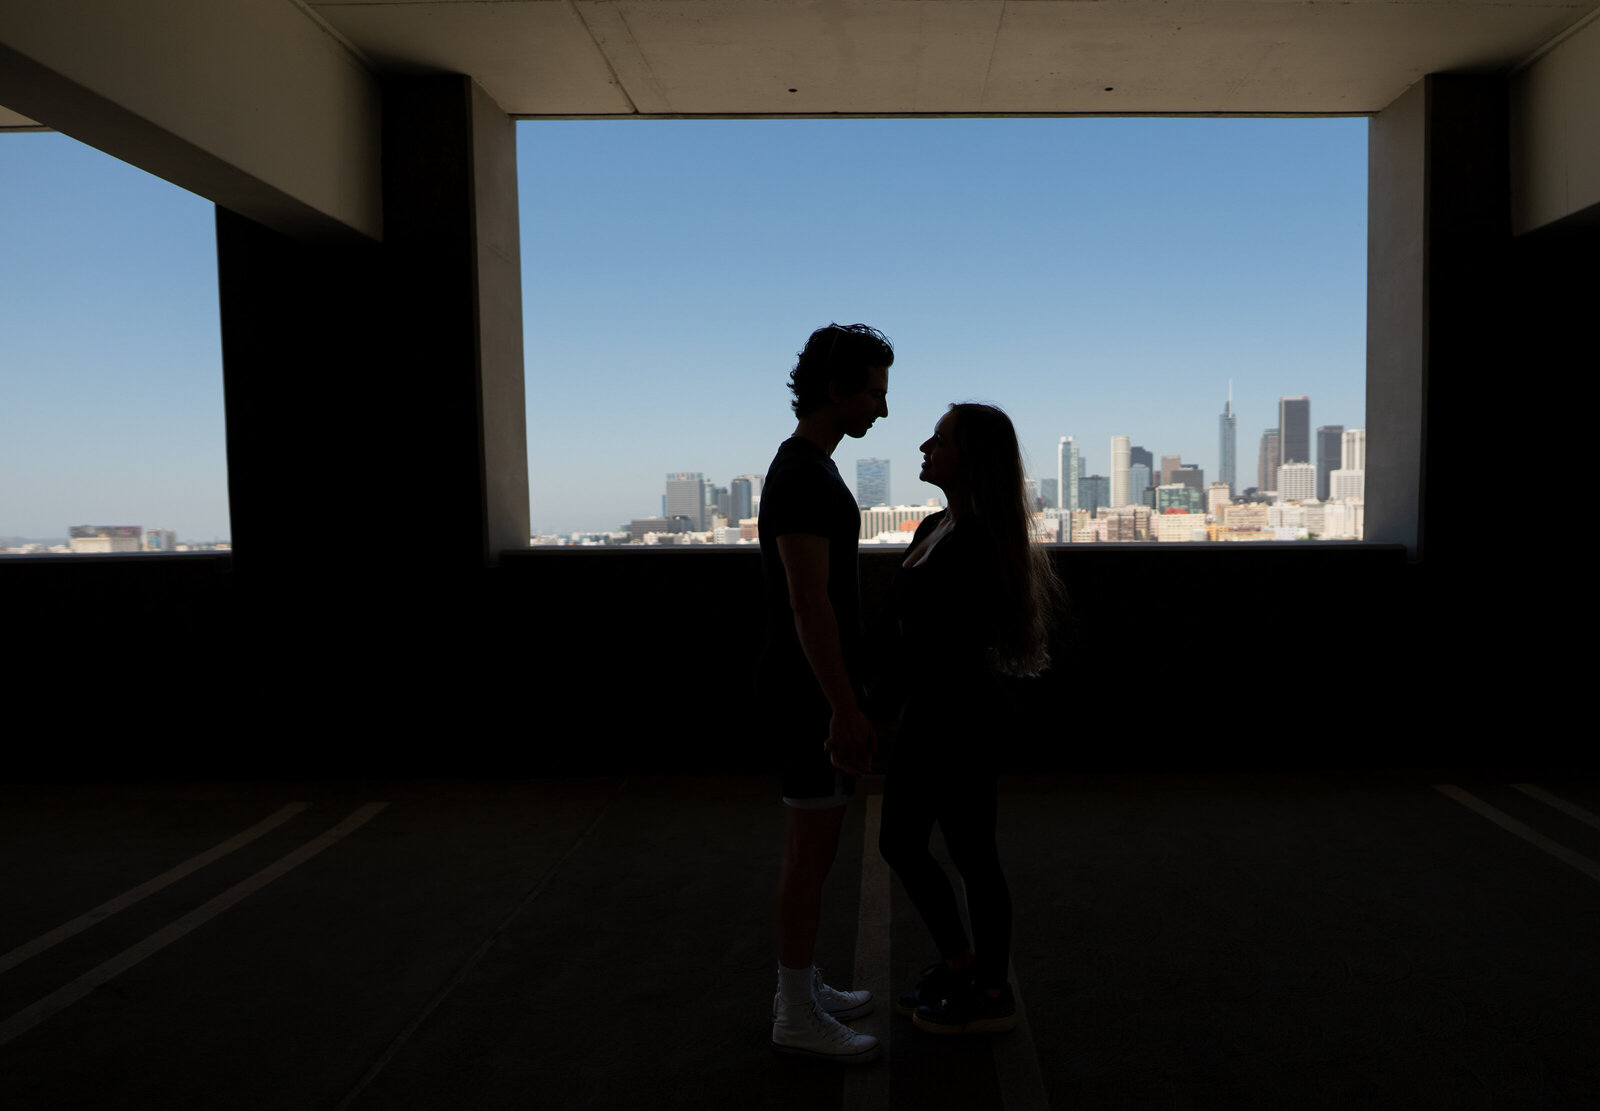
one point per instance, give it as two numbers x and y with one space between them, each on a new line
840 354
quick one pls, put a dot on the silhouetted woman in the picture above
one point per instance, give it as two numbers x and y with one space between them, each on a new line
970 605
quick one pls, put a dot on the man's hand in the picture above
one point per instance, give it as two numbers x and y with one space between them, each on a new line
851 742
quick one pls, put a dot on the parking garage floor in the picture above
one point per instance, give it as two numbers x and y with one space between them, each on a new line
1372 941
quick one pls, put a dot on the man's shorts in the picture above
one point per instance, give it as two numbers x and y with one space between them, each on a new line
806 775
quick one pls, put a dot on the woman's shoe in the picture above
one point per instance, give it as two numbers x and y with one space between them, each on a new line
939 981
970 1011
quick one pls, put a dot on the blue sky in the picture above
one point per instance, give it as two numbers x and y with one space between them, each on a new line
1093 277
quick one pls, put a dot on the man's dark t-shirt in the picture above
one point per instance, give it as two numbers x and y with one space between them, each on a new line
803 493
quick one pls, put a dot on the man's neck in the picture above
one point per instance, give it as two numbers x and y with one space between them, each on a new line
821 428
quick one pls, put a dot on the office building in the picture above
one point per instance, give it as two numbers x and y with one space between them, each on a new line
894 519
1228 444
1119 470
1169 463
1068 471
1218 497
1297 482
1294 429
1329 447
686 498
1094 493
741 497
1138 482
1353 450
1050 493
1267 467
105 538
1190 475
1175 495
1138 455
872 482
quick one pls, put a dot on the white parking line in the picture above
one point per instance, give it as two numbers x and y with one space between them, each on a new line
26 1019
1016 1060
1511 825
867 1088
405 1034
1570 809
149 887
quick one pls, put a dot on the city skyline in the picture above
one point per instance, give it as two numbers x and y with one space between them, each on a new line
1093 277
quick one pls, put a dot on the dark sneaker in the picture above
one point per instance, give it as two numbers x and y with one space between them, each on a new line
939 981
969 1011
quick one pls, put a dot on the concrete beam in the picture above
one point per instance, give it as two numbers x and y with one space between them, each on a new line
1555 119
252 104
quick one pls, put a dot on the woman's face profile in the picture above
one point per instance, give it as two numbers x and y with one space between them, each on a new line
941 464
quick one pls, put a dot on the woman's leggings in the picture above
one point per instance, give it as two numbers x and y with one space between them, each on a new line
964 803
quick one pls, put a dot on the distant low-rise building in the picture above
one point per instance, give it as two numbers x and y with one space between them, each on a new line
106 538
1178 527
889 518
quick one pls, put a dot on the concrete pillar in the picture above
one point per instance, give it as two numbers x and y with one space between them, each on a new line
374 392
1439 236
376 454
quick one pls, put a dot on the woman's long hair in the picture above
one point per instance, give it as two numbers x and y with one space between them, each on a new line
1031 593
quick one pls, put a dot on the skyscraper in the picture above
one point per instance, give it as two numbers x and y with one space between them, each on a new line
872 482
741 496
686 497
1119 470
1353 450
1094 491
1228 442
1137 455
1169 464
1294 429
1329 445
1068 467
1267 468
1138 482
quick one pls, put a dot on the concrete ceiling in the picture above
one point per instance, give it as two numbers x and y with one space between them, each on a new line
603 58
891 57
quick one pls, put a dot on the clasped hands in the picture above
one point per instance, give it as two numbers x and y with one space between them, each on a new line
851 742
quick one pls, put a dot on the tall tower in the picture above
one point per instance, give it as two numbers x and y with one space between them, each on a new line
686 497
1294 429
1068 470
1353 451
1228 443
1267 468
1329 446
872 482
1119 470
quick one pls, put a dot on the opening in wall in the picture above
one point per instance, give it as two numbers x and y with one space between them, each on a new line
111 429
1162 305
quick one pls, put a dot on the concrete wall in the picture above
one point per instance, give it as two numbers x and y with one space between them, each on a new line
1555 132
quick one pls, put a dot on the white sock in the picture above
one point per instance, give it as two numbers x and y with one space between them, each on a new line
794 984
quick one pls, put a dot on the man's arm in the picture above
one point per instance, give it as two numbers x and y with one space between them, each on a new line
851 739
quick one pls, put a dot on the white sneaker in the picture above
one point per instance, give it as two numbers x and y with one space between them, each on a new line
807 1031
842 1005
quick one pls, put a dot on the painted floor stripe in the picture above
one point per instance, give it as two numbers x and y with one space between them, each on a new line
867 1088
1016 1060
1570 809
482 951
1511 825
149 887
56 1001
